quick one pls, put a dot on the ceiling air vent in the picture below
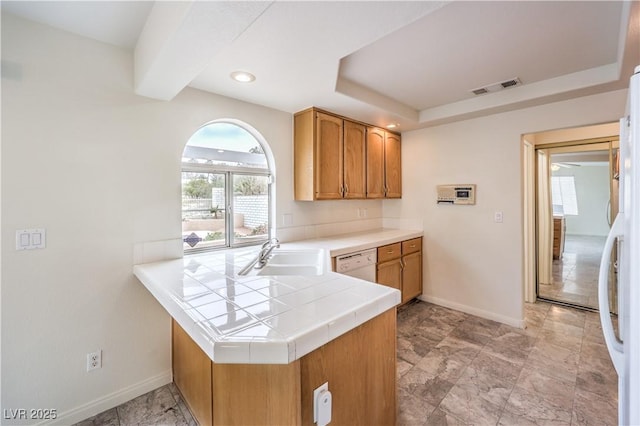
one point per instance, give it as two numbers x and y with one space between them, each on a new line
497 86
509 83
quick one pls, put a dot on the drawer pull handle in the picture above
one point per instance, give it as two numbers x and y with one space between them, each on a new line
412 246
390 252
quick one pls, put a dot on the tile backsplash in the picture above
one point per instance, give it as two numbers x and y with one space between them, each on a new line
296 233
155 251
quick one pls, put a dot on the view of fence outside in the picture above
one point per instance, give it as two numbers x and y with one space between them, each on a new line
205 217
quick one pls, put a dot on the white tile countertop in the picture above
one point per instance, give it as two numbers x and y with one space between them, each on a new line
338 245
268 319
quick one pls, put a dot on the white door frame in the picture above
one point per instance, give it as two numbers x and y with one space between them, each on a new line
529 221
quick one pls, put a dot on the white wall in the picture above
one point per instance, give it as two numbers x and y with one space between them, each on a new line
472 263
98 167
592 191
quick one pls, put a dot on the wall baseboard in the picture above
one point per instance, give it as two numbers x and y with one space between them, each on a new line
514 322
111 400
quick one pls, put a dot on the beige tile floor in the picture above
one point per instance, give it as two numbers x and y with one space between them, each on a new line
575 274
457 369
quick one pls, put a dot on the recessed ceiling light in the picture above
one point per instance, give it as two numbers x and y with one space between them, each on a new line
393 126
243 76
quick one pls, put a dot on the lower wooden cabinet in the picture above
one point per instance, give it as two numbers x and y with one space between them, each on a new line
411 276
389 273
558 236
360 367
400 266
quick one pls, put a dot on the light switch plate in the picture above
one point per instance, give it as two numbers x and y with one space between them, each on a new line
29 239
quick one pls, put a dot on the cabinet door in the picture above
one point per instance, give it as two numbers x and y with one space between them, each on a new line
328 164
392 166
390 274
355 136
375 162
411 276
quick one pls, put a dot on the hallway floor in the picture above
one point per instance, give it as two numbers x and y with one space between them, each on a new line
458 369
575 274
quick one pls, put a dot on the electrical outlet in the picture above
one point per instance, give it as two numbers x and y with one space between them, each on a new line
94 360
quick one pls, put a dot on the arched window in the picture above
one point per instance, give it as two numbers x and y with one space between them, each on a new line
226 187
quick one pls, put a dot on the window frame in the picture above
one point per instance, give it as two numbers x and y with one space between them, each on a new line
229 172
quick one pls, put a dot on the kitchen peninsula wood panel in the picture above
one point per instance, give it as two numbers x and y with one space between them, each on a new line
247 394
192 374
360 367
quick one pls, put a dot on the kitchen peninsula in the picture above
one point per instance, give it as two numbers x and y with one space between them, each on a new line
252 349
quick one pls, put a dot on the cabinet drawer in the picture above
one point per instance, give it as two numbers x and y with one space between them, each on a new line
388 252
412 246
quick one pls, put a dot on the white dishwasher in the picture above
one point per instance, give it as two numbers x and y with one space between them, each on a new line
360 264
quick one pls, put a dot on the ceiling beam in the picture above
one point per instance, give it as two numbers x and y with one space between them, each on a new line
180 39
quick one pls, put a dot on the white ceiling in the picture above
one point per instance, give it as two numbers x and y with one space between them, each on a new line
413 63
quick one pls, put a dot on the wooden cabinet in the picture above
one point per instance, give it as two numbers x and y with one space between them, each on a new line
392 166
400 266
335 158
354 160
558 236
329 157
384 173
360 367
412 269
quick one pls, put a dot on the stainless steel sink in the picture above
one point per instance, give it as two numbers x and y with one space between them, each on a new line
293 262
296 257
290 270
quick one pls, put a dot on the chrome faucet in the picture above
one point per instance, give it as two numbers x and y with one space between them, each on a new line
261 259
265 252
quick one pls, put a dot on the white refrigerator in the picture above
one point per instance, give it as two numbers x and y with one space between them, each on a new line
625 232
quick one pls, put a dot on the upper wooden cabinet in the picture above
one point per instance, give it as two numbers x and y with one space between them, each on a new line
384 174
392 166
335 158
329 157
354 160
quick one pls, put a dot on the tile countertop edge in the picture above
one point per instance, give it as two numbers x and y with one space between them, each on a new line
294 347
175 311
339 245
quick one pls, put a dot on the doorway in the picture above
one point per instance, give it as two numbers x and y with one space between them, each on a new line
579 186
569 207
